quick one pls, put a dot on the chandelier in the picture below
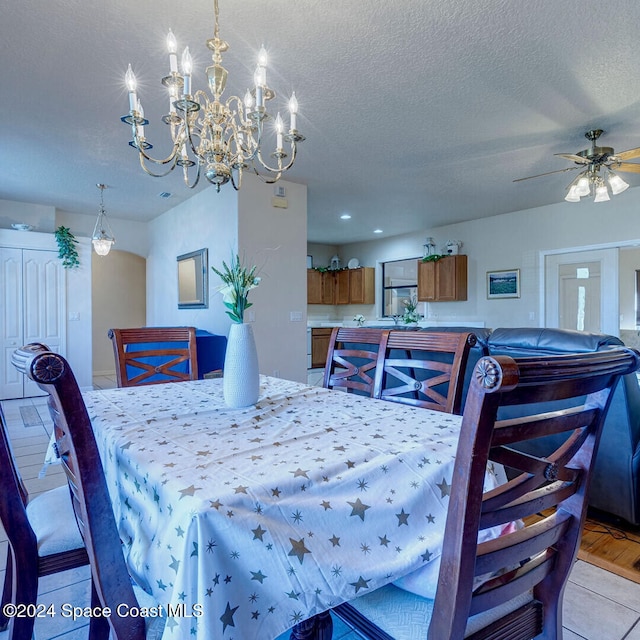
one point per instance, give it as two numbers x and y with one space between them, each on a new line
591 182
221 138
102 237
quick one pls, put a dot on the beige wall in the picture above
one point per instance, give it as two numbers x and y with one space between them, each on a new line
273 239
118 283
515 240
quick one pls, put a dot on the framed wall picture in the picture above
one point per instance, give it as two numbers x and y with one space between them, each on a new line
503 284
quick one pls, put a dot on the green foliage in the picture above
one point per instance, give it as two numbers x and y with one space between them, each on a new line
238 281
432 258
67 251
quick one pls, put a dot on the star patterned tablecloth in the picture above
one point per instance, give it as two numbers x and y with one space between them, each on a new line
245 522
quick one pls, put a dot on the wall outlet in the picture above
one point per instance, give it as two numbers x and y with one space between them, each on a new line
251 315
295 316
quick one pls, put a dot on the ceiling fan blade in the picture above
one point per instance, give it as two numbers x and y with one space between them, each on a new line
548 173
573 157
628 155
629 167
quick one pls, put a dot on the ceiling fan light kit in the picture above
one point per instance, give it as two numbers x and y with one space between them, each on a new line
220 138
597 176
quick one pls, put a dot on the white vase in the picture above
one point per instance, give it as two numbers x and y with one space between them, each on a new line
241 380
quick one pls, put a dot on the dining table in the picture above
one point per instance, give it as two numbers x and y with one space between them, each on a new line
246 522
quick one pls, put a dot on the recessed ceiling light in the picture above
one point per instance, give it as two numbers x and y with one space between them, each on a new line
377 231
345 216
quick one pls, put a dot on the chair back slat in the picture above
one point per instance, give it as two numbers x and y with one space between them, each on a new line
154 355
542 507
351 366
81 462
429 372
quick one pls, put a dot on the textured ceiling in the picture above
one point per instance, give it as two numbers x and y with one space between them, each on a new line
417 112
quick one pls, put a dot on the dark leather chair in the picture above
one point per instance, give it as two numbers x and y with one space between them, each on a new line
154 355
111 584
351 359
509 587
42 533
429 372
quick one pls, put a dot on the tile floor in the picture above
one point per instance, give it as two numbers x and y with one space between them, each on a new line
597 606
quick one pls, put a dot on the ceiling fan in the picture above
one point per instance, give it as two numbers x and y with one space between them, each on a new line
592 161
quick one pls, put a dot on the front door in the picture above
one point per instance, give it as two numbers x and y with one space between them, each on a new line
581 291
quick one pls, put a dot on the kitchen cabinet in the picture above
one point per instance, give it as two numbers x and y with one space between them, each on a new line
444 280
320 338
348 286
314 286
362 285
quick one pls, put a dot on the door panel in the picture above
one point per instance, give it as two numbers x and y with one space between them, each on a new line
11 383
581 291
44 304
33 295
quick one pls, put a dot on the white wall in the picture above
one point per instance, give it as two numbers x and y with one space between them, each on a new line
130 235
276 240
512 241
208 219
629 263
40 216
273 239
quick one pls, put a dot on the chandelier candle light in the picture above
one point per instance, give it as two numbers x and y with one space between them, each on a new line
223 138
102 237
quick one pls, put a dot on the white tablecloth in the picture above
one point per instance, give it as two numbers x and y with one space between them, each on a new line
253 520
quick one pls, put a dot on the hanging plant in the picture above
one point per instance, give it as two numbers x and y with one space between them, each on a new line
67 251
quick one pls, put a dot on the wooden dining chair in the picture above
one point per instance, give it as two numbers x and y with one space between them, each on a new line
154 355
428 372
509 587
43 537
111 584
352 358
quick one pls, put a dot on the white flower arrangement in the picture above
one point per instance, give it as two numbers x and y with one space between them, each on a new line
410 310
359 319
238 281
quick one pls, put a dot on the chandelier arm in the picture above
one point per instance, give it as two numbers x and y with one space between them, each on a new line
265 179
185 175
139 144
280 169
188 136
173 161
233 181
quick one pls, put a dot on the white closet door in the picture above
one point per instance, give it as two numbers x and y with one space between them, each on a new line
33 296
11 382
44 303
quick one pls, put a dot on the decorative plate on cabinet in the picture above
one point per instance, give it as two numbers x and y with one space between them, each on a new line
353 263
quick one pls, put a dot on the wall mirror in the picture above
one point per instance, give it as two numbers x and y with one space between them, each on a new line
193 280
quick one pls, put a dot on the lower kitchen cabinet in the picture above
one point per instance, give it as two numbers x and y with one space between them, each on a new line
320 346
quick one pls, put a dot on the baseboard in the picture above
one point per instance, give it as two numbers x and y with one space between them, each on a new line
108 374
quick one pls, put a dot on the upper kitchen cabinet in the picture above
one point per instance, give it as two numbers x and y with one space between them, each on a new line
320 288
362 285
347 286
444 280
